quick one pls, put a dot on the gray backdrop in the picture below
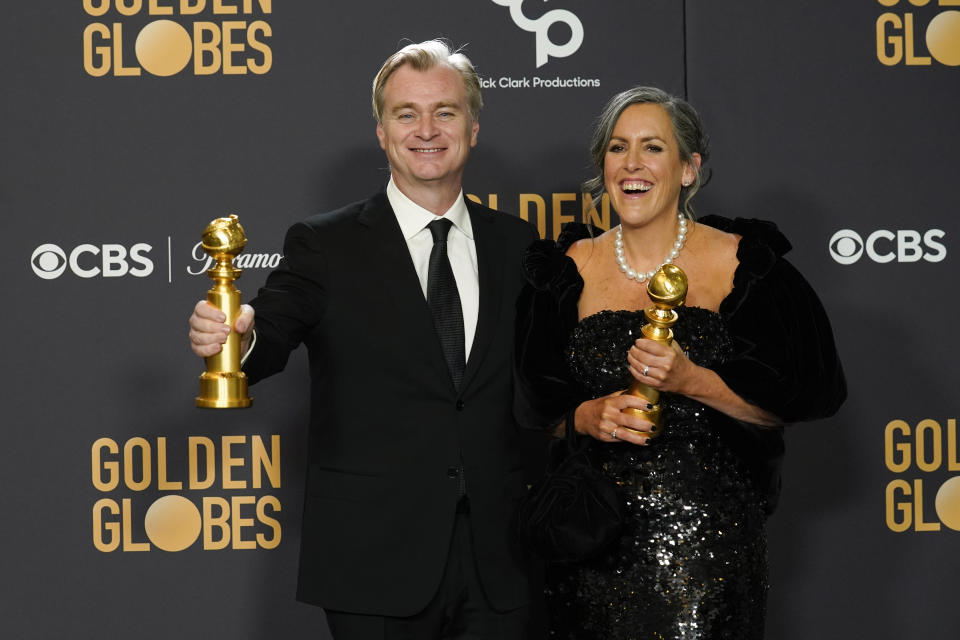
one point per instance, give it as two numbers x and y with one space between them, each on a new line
838 121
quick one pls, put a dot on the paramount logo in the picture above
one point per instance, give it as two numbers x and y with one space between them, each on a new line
243 261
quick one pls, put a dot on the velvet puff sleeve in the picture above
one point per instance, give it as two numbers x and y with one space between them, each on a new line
546 314
785 360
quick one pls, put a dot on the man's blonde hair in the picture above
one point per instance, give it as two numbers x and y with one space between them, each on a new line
424 56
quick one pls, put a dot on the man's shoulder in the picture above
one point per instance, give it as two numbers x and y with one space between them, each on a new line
348 213
508 222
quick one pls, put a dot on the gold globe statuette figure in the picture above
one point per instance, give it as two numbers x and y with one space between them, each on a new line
668 290
223 385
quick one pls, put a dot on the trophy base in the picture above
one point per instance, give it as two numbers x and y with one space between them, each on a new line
223 391
650 415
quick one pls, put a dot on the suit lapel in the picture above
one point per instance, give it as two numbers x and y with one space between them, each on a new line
388 250
490 267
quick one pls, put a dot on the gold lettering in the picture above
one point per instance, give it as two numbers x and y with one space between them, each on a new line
239 523
155 9
128 543
228 462
912 59
98 466
259 26
885 38
590 215
96 9
101 65
118 68
953 459
559 219
129 10
897 506
201 47
111 528
193 462
266 6
264 462
230 47
525 200
902 462
162 483
919 524
933 463
188 8
262 540
221 522
220 9
129 463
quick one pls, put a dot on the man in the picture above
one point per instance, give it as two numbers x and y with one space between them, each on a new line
413 469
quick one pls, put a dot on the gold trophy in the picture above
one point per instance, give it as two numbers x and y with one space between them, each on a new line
668 289
223 385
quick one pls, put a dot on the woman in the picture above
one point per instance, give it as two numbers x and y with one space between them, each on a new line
753 350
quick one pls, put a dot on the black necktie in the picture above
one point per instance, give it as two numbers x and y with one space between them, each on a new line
444 302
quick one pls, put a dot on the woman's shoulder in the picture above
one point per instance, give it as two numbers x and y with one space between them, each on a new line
760 247
716 242
762 233
586 240
548 264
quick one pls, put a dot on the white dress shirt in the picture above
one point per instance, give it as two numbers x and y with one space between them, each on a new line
461 251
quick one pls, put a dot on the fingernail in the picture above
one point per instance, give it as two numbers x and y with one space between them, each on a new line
649 406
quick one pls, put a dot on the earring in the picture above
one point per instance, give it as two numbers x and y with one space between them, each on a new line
686 183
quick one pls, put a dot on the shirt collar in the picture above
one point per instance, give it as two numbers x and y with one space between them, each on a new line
413 218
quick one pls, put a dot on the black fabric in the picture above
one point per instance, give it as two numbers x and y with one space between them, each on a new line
379 481
458 611
785 360
574 512
444 301
546 314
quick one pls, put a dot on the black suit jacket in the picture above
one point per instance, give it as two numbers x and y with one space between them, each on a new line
388 431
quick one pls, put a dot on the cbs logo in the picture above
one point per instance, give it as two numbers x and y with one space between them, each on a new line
904 245
88 261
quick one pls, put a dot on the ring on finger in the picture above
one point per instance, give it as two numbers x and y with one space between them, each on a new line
613 434
646 370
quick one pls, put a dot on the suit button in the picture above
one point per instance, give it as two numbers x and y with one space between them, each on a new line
452 472
459 405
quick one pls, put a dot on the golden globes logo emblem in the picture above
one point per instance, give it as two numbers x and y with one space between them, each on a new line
911 37
213 492
165 37
919 498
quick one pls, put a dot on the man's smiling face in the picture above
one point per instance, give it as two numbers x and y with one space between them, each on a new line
427 129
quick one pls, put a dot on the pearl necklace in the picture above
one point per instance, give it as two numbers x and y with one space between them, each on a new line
641 276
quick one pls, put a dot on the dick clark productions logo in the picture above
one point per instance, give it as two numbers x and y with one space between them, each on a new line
546 48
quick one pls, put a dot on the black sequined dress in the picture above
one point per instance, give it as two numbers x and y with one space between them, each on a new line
691 563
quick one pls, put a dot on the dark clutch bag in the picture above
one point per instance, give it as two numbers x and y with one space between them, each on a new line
574 511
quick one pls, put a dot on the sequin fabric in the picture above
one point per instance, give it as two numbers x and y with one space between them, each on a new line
691 563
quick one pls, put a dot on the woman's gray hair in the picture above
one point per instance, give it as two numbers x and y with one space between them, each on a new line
687 129
424 56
